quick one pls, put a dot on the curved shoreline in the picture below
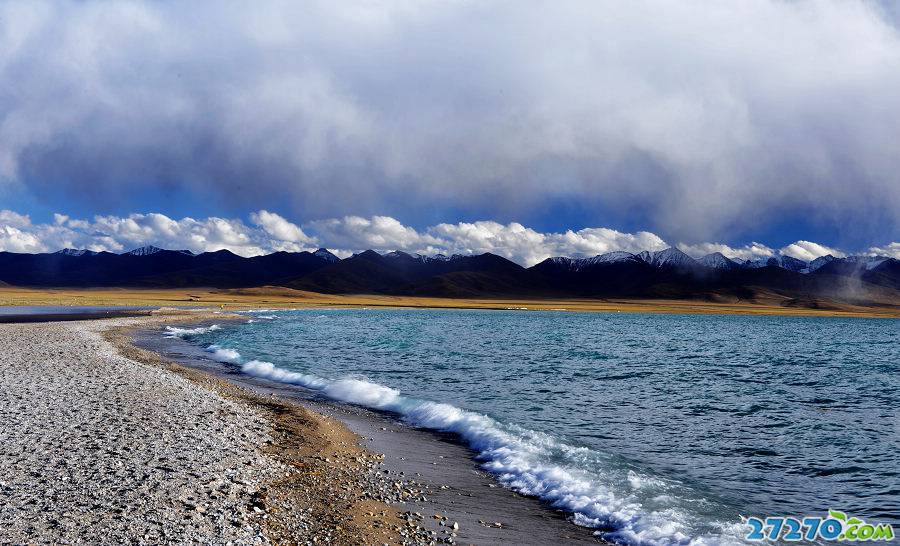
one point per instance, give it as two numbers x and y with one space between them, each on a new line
331 493
453 484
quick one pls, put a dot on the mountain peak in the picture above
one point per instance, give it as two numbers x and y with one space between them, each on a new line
144 251
398 254
820 261
670 257
76 252
717 260
150 249
326 255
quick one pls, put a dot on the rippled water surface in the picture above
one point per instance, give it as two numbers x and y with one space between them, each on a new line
651 428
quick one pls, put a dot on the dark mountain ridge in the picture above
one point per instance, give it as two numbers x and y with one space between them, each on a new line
668 273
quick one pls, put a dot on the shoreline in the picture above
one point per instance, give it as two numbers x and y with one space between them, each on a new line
101 438
333 492
448 483
274 297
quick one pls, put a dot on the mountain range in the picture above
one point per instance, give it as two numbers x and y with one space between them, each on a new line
668 273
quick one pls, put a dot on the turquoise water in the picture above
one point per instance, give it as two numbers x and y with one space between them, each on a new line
657 429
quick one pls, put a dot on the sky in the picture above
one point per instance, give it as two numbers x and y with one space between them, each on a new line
527 129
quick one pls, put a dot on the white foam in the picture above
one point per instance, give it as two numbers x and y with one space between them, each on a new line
363 393
173 331
267 370
223 355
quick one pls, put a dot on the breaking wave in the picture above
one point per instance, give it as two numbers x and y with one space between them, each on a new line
529 462
223 355
172 331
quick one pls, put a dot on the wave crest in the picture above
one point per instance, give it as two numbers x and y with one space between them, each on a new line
174 331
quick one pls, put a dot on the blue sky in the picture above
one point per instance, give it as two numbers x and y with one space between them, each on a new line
764 121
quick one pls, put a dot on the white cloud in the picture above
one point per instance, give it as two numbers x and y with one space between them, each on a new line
513 241
892 250
381 233
13 219
696 118
752 251
116 234
528 247
809 251
210 234
271 232
15 240
593 241
286 236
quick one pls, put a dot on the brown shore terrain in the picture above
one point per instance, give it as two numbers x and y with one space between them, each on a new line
765 303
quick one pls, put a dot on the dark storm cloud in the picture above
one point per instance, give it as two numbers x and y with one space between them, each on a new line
705 117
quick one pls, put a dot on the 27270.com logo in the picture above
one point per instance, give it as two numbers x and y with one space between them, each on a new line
837 526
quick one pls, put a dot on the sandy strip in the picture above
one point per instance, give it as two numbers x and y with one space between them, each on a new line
97 447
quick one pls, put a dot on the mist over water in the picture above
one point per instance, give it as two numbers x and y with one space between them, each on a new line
657 429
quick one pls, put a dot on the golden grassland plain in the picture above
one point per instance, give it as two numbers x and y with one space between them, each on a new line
275 297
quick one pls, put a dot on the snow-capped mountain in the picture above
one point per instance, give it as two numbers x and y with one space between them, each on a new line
717 260
819 262
150 249
668 258
791 264
76 252
578 264
421 257
613 257
326 255
785 262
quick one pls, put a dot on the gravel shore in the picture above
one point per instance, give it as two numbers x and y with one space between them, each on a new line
97 448
105 442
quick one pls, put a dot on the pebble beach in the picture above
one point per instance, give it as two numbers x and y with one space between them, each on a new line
95 447
104 442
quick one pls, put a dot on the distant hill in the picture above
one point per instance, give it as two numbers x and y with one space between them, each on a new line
157 268
668 273
402 273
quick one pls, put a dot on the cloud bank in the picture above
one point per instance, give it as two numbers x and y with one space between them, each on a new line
269 232
702 120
